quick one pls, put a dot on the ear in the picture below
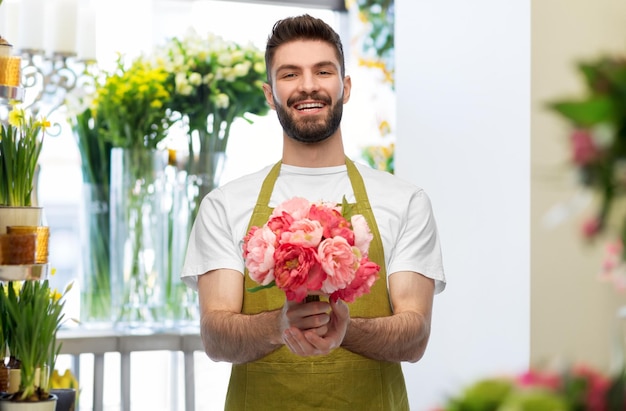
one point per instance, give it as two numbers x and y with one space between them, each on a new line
269 95
347 86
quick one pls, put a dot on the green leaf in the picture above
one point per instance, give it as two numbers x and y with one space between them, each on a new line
347 209
261 287
586 113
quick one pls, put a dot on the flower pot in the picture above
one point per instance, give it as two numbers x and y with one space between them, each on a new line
7 404
4 376
20 216
66 399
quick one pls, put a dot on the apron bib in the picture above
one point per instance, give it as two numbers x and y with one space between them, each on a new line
341 380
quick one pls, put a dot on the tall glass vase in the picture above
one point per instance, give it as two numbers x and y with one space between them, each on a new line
138 236
188 184
95 307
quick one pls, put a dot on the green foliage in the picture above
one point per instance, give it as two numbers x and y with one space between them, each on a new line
380 16
21 142
598 138
380 157
95 151
577 388
535 400
485 395
131 104
31 316
212 82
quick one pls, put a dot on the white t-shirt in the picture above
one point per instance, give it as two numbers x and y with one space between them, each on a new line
403 213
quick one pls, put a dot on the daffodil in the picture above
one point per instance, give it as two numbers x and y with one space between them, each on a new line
131 104
31 313
21 141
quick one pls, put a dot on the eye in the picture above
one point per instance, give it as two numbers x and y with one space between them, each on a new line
288 75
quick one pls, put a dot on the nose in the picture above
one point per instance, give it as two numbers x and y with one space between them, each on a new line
308 83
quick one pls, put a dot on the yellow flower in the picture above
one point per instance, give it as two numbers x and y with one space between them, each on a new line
16 117
55 295
67 380
130 103
384 127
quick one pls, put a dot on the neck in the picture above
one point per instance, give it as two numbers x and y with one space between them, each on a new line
327 153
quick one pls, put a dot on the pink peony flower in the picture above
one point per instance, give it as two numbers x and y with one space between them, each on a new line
305 232
297 208
362 234
535 378
584 149
338 262
259 254
333 222
597 385
297 270
591 227
280 223
364 279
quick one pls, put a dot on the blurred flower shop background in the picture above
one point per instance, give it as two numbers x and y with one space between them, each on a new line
520 143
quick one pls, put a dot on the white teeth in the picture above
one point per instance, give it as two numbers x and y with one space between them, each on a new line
309 105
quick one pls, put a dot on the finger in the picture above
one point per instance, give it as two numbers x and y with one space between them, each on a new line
308 317
340 309
319 345
294 339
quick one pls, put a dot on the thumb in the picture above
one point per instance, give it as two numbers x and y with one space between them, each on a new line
340 309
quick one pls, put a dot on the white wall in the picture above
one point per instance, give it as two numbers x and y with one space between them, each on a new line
463 89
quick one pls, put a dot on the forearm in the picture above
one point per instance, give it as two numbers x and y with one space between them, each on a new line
240 338
400 337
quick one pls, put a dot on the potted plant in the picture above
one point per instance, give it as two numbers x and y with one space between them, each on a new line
21 140
31 314
131 113
596 121
213 81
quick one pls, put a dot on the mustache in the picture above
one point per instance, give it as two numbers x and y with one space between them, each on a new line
304 97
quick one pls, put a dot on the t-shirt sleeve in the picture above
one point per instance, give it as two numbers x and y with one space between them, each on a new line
417 247
211 242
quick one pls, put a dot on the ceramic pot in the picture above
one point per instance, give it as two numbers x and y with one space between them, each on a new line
66 399
46 405
20 216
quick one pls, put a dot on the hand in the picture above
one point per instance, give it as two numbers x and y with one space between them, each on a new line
313 316
307 342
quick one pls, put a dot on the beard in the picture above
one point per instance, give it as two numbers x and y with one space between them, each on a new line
310 130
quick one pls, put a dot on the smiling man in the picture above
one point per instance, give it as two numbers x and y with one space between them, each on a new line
317 355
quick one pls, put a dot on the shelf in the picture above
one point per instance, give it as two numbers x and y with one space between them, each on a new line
23 272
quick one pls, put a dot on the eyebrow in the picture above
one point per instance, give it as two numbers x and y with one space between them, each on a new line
316 65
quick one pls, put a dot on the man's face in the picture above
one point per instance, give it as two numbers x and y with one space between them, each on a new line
307 90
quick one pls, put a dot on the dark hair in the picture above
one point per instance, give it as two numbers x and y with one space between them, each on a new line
302 27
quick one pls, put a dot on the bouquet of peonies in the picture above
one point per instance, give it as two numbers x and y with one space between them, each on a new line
311 248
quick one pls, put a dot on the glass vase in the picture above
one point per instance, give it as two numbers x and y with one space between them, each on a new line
95 303
188 182
138 236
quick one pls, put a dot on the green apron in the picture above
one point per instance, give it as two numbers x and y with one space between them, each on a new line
341 380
